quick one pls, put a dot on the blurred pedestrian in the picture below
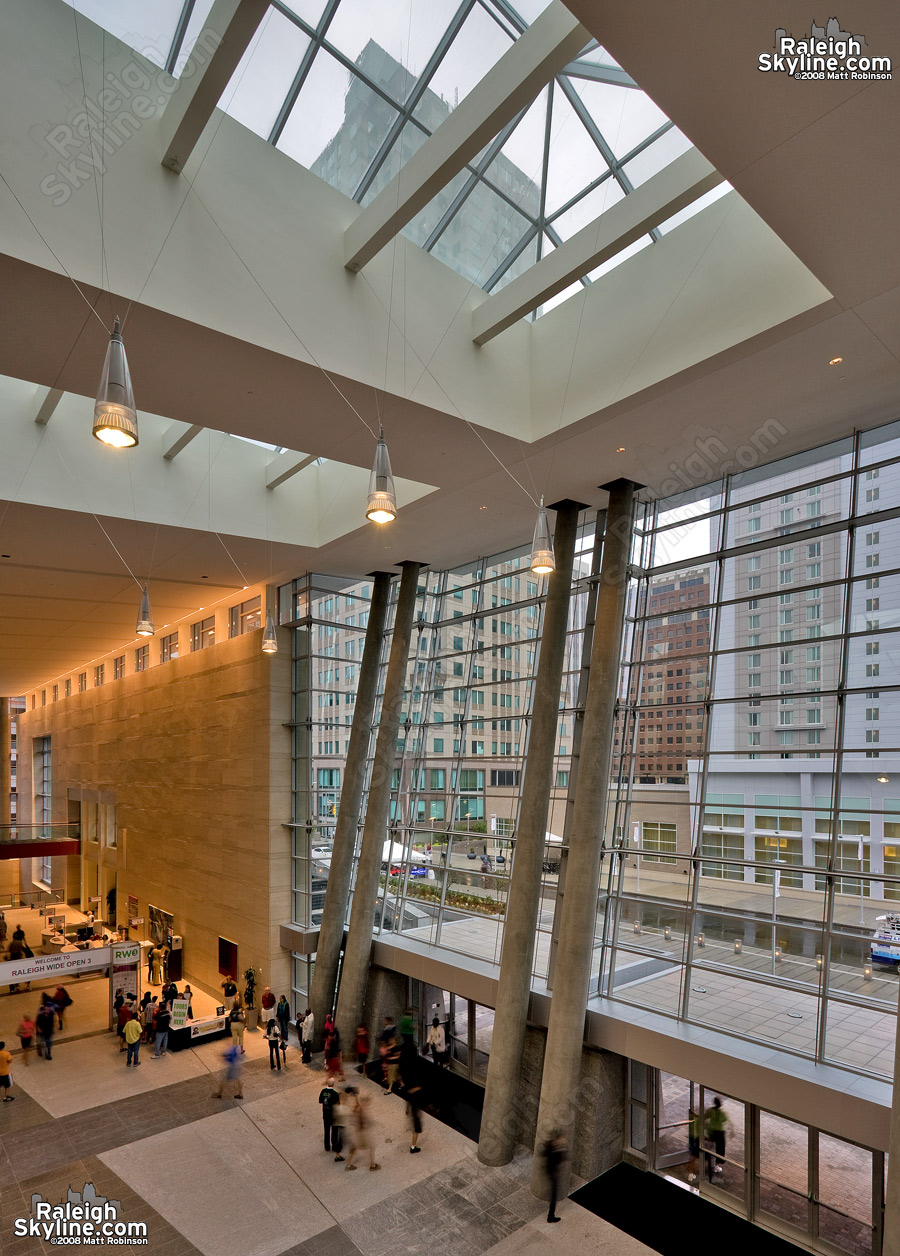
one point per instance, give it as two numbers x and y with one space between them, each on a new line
554 1153
45 1021
717 1124
25 1033
414 1112
360 1121
232 1076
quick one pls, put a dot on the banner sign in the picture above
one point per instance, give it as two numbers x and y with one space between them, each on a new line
67 963
210 1025
58 922
179 1013
95 899
48 910
134 921
123 971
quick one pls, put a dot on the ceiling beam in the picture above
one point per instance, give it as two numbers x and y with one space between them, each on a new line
286 464
610 74
510 86
223 41
681 183
176 436
46 400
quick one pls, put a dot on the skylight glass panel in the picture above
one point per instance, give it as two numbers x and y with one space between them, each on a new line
338 124
265 73
199 13
410 139
147 28
625 116
309 10
656 156
478 46
480 236
574 158
408 30
422 226
588 208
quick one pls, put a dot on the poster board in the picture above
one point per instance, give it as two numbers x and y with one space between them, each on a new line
123 971
179 1013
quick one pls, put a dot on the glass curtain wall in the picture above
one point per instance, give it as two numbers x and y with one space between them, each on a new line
753 828
759 783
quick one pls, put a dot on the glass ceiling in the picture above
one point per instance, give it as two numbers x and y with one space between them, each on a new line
352 88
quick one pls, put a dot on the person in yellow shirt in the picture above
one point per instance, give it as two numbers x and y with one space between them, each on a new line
5 1066
132 1035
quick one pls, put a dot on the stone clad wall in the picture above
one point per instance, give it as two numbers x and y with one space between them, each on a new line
196 758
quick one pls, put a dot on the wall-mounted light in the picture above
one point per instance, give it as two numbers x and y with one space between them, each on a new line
778 952
701 941
637 926
667 933
867 972
820 960
738 946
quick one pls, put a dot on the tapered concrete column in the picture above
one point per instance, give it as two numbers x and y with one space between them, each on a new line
891 1242
499 1116
5 761
365 892
565 1034
337 893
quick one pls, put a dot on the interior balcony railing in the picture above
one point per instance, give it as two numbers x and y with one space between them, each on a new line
25 841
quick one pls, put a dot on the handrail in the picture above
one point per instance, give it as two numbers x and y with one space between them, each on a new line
39 832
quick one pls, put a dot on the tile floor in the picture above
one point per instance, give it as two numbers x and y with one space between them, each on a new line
211 1176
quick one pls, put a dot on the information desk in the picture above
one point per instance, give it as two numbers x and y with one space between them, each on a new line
198 1031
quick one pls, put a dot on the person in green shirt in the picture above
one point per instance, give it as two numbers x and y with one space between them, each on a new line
717 1124
132 1035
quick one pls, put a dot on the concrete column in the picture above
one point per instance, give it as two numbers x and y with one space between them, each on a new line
565 1035
499 1117
358 950
891 1241
5 761
337 893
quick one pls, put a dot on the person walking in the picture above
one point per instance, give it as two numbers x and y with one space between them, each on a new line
163 1019
436 1042
25 1033
229 990
392 1057
554 1153
238 1022
283 1016
717 1124
330 1100
362 1048
232 1075
361 1120
273 1038
334 1061
45 1022
63 1000
132 1035
307 1032
414 1112
5 1073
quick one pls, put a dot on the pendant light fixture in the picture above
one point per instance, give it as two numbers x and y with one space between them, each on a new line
115 418
144 626
542 559
269 641
382 503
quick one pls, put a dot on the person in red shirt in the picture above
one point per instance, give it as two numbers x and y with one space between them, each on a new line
123 1016
268 1003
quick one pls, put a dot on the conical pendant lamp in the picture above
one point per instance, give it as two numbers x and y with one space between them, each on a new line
542 559
382 504
144 627
269 641
115 419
